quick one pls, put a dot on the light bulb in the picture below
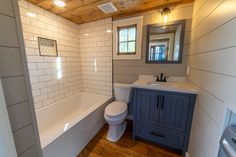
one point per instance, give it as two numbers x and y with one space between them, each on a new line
165 19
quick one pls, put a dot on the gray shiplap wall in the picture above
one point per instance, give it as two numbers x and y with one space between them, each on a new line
128 70
15 82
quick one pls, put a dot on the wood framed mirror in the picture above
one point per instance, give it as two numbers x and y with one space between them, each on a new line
165 44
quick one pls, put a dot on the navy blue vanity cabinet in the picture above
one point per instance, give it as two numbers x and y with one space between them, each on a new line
174 111
163 117
146 107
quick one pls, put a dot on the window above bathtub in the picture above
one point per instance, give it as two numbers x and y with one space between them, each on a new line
127 38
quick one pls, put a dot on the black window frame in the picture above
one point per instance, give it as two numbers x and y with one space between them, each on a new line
118 41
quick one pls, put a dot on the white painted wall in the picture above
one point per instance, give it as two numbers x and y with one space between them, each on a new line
212 70
177 13
7 146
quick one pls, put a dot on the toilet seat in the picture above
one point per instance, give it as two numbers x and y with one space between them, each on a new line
114 120
116 109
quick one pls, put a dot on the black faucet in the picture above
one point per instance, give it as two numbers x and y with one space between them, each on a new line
161 78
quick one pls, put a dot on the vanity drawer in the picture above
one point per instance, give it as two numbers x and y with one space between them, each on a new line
158 135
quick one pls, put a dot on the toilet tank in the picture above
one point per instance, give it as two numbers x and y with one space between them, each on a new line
122 92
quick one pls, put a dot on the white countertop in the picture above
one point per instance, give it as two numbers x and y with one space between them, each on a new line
181 87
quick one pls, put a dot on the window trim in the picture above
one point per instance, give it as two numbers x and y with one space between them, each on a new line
118 40
138 20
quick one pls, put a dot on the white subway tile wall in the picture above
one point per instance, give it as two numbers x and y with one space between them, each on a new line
96 56
52 78
84 61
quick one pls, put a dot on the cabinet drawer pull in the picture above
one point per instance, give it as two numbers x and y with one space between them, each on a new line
162 102
158 97
157 134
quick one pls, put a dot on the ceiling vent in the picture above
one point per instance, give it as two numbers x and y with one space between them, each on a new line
108 8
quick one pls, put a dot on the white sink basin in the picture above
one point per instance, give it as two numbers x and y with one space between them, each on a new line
163 84
172 85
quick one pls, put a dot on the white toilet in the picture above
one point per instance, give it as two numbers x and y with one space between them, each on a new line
117 111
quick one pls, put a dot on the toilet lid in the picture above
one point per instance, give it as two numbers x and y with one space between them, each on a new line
115 108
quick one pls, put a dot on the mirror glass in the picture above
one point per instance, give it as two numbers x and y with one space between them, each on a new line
165 44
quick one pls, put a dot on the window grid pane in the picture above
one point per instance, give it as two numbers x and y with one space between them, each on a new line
127 40
123 47
123 35
131 46
131 33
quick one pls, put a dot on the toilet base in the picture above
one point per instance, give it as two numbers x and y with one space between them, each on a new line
116 131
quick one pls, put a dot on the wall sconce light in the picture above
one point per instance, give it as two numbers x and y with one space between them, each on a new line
165 15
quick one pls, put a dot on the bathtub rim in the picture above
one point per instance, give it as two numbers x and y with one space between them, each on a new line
48 136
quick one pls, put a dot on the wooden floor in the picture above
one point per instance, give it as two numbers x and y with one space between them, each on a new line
125 147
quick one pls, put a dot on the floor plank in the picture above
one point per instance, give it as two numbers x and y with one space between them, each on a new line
125 147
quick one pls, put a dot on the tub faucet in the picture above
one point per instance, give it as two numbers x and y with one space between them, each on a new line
161 78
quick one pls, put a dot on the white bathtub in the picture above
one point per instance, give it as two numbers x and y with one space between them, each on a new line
67 126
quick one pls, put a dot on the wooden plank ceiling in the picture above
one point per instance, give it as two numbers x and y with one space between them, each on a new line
82 11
